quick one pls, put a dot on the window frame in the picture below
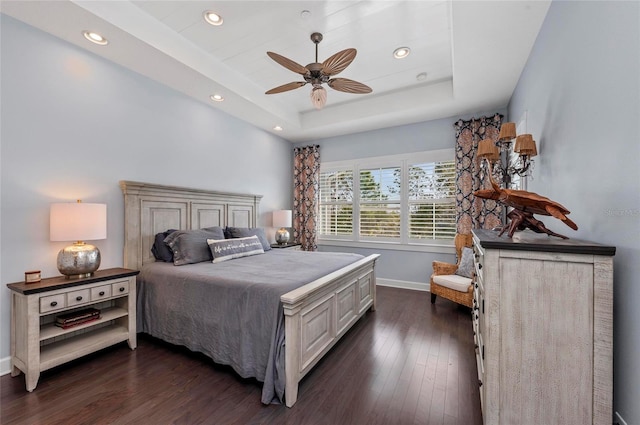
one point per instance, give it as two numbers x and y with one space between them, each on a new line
403 161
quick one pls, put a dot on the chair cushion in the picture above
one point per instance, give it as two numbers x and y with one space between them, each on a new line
453 281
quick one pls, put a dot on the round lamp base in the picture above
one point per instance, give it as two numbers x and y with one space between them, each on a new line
282 236
78 260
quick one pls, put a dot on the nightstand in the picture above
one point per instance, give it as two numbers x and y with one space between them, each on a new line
37 344
291 246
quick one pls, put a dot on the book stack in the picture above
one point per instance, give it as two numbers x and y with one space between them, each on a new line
76 318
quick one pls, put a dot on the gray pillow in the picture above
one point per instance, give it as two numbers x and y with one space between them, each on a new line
161 250
243 232
190 246
228 249
466 267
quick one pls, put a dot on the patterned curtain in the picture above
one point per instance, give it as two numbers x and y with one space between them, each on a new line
306 192
472 212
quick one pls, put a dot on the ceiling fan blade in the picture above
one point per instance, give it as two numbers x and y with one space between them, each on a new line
338 62
288 63
286 87
348 86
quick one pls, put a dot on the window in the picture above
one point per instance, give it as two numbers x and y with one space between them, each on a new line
336 203
405 199
380 202
431 199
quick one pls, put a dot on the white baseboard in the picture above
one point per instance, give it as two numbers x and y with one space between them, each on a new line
620 420
403 284
5 366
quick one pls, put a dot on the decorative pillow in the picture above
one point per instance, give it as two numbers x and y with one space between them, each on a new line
190 246
160 250
466 267
228 249
243 232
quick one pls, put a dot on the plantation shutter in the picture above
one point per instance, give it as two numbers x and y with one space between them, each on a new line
336 203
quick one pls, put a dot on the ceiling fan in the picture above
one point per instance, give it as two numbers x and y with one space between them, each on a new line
317 74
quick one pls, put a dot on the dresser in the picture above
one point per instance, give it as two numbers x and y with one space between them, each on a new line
543 328
37 344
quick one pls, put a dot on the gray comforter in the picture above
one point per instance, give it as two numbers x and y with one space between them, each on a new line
231 311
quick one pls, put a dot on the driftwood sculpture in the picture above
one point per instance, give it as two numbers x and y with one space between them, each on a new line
526 204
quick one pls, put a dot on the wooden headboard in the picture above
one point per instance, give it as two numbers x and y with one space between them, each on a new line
151 208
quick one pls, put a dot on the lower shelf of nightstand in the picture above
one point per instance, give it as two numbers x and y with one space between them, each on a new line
51 330
60 352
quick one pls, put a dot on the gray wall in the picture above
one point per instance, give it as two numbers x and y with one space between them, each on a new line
405 266
581 91
74 124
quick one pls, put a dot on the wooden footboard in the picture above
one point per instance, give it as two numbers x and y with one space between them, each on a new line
318 314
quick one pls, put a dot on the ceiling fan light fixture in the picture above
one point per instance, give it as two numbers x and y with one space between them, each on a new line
401 52
318 97
212 18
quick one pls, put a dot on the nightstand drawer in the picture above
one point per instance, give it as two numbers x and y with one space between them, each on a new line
100 292
78 297
52 303
120 288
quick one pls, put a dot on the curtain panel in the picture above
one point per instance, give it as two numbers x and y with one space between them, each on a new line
306 196
472 212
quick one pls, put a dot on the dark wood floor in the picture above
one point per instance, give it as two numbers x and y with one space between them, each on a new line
410 362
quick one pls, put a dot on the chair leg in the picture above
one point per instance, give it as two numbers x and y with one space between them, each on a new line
433 298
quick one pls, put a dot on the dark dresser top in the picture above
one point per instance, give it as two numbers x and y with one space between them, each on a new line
60 282
531 241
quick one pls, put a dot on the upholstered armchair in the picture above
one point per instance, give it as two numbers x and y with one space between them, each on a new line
446 283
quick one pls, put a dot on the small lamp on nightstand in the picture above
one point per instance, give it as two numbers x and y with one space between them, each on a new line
282 219
78 222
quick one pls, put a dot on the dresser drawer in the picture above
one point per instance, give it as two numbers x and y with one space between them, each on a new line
100 292
120 288
52 303
80 296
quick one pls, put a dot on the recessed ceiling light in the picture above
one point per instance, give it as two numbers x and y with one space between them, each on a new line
212 17
94 37
216 97
422 76
277 128
401 52
305 14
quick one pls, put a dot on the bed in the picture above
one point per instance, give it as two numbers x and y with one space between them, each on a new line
302 310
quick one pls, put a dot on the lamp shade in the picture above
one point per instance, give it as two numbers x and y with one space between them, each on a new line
77 221
525 145
282 218
318 97
488 149
507 131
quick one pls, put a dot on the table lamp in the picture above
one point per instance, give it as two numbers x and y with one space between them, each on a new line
282 219
78 222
